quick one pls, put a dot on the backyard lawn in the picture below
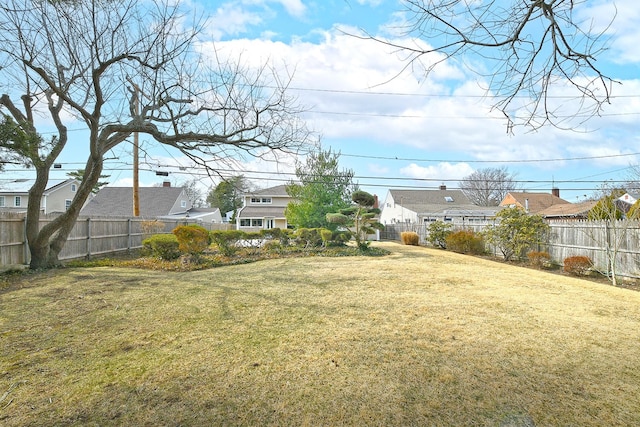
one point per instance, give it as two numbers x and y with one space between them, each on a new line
418 337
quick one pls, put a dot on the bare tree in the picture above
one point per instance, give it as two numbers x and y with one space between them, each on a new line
529 46
488 186
116 68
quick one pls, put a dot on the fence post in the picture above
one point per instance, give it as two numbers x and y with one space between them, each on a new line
25 245
88 238
129 235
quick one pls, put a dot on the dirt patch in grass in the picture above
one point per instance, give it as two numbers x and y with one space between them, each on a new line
419 337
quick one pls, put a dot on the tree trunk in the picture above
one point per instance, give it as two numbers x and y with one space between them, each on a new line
46 243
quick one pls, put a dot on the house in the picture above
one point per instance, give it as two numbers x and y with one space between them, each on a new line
57 197
630 197
263 209
533 202
155 202
568 211
420 206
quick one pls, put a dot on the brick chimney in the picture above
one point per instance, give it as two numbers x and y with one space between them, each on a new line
443 187
555 191
166 184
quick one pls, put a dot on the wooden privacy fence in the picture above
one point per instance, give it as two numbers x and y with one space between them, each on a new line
599 240
89 237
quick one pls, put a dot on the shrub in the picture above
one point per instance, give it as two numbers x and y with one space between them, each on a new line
326 235
309 237
164 246
410 238
465 242
578 265
539 259
192 239
438 232
227 240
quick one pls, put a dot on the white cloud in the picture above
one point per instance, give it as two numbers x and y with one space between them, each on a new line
444 171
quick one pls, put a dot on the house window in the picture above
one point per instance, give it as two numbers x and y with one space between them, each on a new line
17 202
253 222
265 200
67 204
183 204
1 201
73 188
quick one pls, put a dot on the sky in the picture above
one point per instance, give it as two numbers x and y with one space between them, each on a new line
397 127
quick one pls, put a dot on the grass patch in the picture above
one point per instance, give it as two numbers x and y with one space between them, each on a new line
420 337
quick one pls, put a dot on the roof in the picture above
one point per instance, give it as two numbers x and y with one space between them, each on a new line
536 202
118 201
262 212
24 185
422 201
568 210
277 191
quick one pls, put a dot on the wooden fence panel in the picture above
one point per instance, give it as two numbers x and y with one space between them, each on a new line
568 238
89 236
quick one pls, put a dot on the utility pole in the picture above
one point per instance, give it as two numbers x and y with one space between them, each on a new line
136 183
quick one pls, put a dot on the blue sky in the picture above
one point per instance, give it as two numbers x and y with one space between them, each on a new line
410 131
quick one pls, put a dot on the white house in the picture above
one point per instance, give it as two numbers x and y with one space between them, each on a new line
420 206
57 197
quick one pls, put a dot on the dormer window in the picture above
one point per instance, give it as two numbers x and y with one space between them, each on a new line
448 199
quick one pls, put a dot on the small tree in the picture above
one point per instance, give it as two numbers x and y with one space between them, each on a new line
438 232
227 195
611 213
359 219
323 188
516 233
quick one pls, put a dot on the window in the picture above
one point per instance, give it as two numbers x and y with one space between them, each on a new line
448 199
18 201
67 204
73 188
253 222
256 200
1 201
183 204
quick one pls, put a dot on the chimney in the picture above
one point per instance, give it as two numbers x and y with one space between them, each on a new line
443 187
555 191
166 184
376 203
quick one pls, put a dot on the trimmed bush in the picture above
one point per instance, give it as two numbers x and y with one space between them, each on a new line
578 265
309 237
227 240
410 238
539 259
192 239
164 246
465 242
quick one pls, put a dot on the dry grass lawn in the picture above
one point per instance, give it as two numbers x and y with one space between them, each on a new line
419 337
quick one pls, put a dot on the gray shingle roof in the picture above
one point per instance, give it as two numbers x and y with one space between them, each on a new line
118 201
278 190
425 201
